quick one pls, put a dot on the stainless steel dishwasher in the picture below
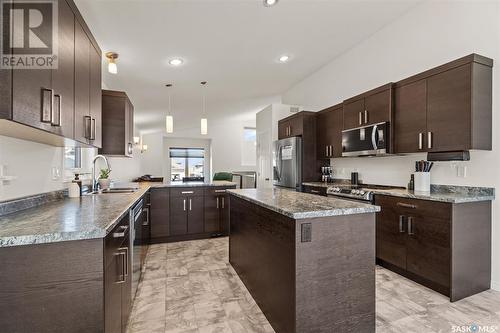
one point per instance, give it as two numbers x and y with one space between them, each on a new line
136 221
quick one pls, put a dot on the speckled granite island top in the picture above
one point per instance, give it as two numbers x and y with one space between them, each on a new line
87 217
443 193
298 205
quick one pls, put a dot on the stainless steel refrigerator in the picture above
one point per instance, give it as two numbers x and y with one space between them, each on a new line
287 163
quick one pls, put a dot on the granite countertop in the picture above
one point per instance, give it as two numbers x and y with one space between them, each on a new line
442 193
298 205
87 217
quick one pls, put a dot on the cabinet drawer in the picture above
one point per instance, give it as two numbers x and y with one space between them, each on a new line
115 239
319 190
219 190
418 207
186 191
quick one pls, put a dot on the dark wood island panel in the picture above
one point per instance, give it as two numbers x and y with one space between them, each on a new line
325 284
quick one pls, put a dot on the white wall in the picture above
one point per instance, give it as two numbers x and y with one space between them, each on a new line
431 34
226 135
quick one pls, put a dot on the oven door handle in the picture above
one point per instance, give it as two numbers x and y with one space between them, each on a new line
374 137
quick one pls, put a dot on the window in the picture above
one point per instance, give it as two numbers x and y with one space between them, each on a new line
248 146
186 162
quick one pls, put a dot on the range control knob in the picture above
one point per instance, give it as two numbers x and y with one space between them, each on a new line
353 191
362 192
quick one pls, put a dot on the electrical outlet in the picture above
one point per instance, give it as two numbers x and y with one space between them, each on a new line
462 171
56 173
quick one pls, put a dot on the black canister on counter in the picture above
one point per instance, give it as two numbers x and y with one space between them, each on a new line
354 178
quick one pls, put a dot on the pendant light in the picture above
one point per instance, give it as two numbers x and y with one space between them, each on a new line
204 121
169 120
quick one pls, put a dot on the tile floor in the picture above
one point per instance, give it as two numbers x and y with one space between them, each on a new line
189 287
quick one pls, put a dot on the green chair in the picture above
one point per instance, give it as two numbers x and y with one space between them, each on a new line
228 176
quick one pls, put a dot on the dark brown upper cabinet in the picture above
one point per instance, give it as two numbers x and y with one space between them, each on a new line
293 125
372 107
55 100
447 108
117 124
303 124
329 124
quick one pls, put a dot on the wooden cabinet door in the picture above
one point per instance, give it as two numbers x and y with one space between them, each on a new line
390 232
31 97
428 248
410 117
95 95
378 108
296 126
178 215
224 214
160 212
113 295
335 137
448 109
283 129
324 127
82 84
353 114
63 76
195 215
126 302
212 205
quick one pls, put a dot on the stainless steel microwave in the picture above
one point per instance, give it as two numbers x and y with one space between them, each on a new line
367 140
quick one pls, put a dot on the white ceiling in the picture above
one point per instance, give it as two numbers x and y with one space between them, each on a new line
232 44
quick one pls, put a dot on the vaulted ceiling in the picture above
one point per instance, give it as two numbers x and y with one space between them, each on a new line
232 44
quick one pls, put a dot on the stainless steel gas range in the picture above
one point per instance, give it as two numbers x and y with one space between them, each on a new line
362 192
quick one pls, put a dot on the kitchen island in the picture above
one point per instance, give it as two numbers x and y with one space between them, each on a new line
308 261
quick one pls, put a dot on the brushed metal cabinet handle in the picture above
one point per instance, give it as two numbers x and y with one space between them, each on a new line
360 118
187 192
146 210
326 149
315 191
86 123
429 140
366 116
121 274
47 105
405 205
420 140
401 223
220 191
411 232
93 129
125 255
190 206
217 202
331 151
56 117
184 200
222 202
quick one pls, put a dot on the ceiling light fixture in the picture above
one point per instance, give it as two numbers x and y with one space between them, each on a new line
270 3
176 62
284 58
204 120
169 120
112 56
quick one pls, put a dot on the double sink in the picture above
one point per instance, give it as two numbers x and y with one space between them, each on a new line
115 190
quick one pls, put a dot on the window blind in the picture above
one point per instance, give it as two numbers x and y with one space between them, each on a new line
187 152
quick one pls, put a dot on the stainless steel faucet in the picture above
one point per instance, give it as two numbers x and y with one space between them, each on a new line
95 183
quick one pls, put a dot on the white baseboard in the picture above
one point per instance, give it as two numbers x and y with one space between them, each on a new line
495 285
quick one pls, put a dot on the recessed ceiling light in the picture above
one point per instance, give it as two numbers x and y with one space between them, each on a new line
176 62
269 3
284 58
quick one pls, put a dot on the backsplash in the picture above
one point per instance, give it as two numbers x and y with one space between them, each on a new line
396 169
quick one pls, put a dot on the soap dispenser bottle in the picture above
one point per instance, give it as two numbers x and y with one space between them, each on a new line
75 188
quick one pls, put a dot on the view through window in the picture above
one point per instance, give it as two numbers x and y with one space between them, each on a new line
186 163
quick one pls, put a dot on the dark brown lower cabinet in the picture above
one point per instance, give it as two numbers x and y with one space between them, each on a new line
118 278
444 246
217 214
160 212
182 213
